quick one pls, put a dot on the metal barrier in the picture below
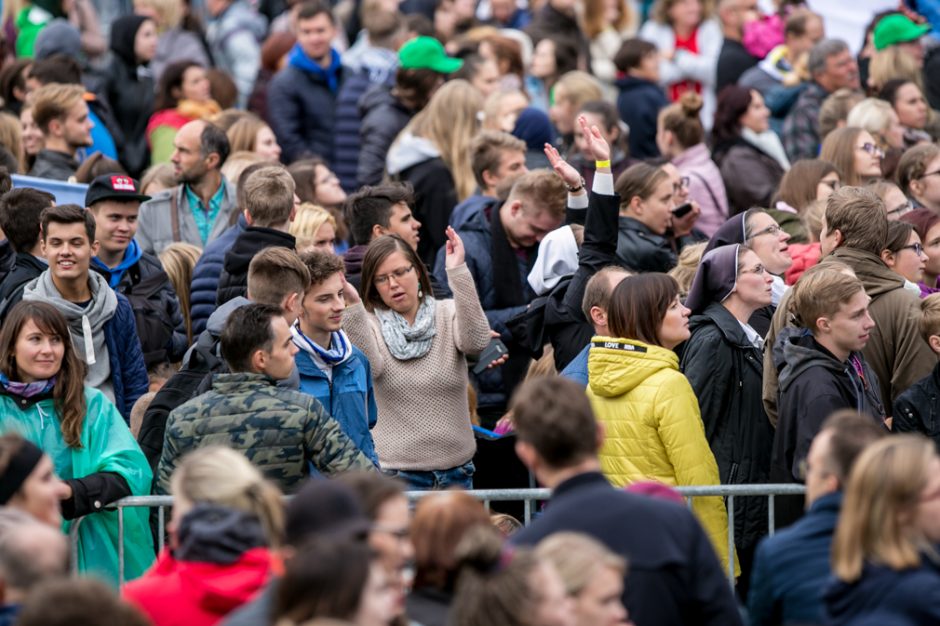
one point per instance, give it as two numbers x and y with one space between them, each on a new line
527 496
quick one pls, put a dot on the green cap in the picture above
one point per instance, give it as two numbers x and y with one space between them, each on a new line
898 28
427 53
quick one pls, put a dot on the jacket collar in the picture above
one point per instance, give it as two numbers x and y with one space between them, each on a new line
829 503
631 223
580 481
728 324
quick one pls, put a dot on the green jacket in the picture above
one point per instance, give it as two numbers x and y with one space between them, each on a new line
281 431
107 446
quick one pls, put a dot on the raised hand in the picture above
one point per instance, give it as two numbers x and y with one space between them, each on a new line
454 254
349 293
597 146
568 174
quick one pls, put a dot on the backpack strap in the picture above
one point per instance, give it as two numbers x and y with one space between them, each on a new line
175 216
708 188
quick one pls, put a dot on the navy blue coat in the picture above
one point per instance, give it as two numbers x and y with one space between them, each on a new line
383 117
792 567
346 142
301 110
128 371
639 103
207 273
675 577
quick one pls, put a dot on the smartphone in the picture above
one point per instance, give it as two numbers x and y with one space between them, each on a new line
492 352
682 210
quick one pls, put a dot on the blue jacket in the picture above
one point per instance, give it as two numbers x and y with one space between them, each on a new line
639 104
792 567
466 210
301 110
207 273
128 371
577 368
348 398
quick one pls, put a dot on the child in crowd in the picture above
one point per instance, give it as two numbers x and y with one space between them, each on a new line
915 410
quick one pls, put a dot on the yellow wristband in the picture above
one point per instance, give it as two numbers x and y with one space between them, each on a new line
599 164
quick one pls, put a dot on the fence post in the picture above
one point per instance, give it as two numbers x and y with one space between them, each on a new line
731 539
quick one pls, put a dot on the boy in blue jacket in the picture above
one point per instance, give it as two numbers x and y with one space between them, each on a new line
331 369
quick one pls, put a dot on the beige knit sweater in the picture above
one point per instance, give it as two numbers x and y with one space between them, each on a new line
424 420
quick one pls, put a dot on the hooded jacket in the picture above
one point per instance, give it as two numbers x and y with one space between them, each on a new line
917 410
653 429
110 334
222 563
639 103
895 352
383 118
206 275
417 160
912 593
725 371
233 38
814 384
129 89
234 278
26 269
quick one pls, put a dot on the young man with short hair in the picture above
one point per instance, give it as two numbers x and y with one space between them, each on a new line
331 369
115 203
824 369
302 96
640 98
101 322
674 572
282 432
61 114
497 159
19 219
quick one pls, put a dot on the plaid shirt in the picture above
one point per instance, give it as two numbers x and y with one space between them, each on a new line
801 128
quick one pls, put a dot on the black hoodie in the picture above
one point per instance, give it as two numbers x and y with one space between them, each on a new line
234 278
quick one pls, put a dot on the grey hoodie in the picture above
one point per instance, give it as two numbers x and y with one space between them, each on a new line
408 151
86 324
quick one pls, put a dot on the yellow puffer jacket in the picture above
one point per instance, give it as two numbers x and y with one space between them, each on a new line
653 429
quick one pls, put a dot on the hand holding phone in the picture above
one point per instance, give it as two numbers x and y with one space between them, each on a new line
493 352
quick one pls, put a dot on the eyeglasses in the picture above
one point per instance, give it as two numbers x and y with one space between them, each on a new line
901 209
758 269
872 149
382 280
930 173
682 184
770 230
918 248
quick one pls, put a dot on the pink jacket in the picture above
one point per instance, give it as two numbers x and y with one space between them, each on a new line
705 187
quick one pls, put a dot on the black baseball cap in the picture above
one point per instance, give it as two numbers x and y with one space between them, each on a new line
114 187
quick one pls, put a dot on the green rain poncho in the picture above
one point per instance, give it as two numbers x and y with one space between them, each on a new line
107 446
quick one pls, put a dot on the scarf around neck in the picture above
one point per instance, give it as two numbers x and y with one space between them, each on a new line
338 352
769 143
404 341
330 75
26 390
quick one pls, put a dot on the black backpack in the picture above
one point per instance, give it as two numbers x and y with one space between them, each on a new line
154 326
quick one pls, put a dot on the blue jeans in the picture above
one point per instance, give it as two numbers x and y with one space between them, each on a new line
460 477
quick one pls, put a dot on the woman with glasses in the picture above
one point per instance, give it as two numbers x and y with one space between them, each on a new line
884 555
927 226
807 181
417 347
757 230
879 119
653 429
919 176
856 153
904 254
723 362
896 203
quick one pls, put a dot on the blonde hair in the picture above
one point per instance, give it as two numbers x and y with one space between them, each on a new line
307 223
577 557
873 115
493 108
930 316
169 13
53 101
839 149
450 121
236 163
179 259
890 63
159 174
222 476
11 138
812 219
595 18
881 499
580 87
821 294
684 271
243 134
835 109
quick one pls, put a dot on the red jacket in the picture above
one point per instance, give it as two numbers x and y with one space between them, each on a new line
189 593
805 256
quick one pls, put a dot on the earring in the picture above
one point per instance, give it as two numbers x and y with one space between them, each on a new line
420 293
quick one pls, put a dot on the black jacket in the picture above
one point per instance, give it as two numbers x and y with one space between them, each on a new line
130 96
301 110
813 385
25 268
383 117
917 410
908 596
54 165
234 279
761 182
675 577
641 250
639 103
733 60
726 373
435 199
565 324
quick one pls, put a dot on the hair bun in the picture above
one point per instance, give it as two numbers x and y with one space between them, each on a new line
691 103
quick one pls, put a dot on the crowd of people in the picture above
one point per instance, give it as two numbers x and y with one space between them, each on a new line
339 252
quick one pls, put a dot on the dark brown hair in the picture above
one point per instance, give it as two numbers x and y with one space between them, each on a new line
682 119
373 489
321 265
798 185
67 214
170 80
899 233
639 304
69 390
377 252
414 87
860 216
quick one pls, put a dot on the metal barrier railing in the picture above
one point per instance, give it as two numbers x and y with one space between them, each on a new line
527 496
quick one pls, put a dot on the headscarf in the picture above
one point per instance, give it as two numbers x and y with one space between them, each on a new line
123 33
716 278
731 232
557 258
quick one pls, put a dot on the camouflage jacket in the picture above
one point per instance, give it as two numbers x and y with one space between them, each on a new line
279 430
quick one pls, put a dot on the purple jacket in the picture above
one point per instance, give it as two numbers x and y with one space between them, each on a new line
705 187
